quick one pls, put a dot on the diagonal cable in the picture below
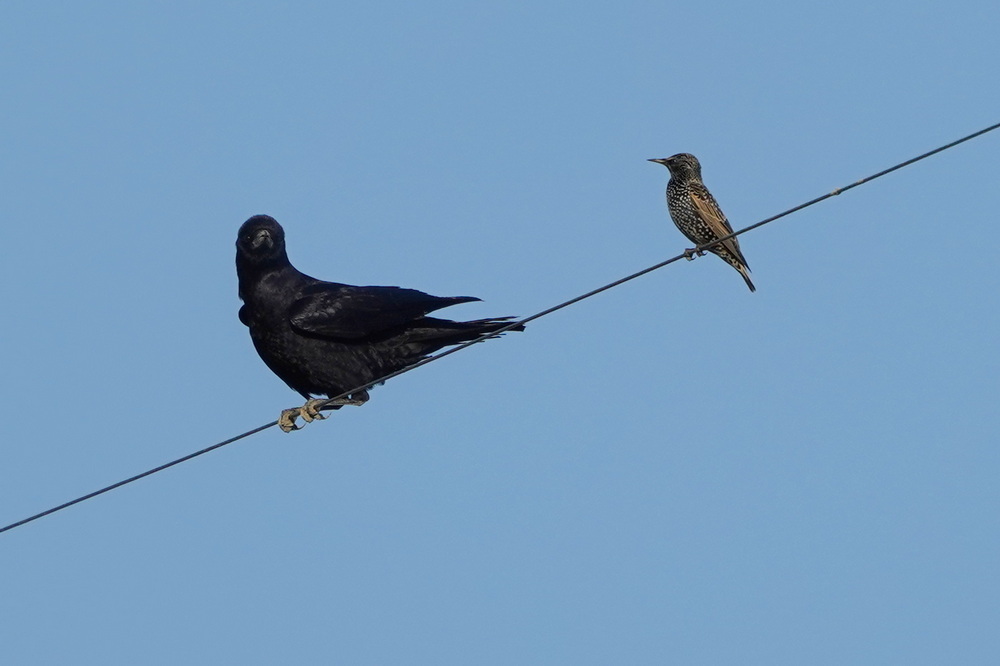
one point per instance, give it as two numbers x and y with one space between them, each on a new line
509 326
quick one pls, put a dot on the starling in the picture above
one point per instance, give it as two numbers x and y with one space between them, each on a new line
697 215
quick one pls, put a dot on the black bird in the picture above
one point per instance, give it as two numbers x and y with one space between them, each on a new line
695 212
325 338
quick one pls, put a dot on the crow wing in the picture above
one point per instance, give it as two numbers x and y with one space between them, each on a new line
342 311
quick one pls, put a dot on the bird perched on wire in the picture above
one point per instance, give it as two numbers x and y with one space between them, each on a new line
326 338
695 212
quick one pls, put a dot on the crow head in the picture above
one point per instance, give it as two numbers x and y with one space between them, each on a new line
261 242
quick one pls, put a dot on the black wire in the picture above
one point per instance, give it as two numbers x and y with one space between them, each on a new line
136 477
507 327
685 255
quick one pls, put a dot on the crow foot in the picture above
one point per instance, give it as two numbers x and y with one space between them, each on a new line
311 410
287 419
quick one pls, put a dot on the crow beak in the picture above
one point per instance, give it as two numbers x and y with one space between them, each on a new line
262 237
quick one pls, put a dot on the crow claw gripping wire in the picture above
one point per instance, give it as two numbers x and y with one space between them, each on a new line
311 411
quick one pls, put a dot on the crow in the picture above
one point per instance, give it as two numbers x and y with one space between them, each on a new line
326 338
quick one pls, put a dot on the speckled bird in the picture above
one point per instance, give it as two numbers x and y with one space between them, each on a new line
695 212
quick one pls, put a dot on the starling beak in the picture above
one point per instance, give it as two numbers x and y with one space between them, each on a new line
696 213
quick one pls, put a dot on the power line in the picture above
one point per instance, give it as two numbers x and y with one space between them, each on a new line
685 255
509 326
137 477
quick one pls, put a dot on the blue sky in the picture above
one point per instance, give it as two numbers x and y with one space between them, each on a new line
676 471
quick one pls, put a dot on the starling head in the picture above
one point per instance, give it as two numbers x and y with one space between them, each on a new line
683 166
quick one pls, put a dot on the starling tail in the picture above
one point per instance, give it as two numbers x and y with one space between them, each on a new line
696 213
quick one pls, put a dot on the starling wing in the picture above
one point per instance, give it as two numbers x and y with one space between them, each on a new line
713 216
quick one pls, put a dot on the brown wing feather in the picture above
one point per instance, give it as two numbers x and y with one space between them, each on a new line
713 216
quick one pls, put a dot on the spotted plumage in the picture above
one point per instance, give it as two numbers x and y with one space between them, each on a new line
695 212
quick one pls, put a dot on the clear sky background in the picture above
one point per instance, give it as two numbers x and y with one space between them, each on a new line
676 471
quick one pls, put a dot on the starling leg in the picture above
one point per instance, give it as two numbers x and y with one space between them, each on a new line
692 252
